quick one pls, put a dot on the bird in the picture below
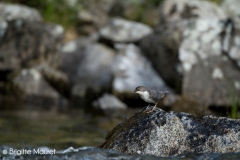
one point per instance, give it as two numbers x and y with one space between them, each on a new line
150 95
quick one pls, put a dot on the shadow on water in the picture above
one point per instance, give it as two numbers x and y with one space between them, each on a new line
23 128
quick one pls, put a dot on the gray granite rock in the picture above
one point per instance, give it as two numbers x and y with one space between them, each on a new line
92 15
231 7
231 40
193 40
132 69
174 10
161 47
121 30
88 66
17 11
38 42
54 77
109 101
163 133
107 104
36 90
210 74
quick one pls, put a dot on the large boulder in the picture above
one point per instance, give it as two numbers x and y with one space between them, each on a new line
211 76
165 134
175 10
231 7
132 69
193 40
27 43
88 66
231 34
162 46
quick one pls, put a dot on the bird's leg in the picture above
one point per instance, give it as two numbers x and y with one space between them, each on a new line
153 108
147 108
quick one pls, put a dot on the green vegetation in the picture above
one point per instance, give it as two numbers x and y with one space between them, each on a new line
59 11
216 1
235 108
56 11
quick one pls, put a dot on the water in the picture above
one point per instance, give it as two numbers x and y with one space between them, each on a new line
29 127
92 153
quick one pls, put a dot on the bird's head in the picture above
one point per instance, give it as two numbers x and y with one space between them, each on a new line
139 89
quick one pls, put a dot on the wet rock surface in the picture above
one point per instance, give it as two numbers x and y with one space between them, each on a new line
163 133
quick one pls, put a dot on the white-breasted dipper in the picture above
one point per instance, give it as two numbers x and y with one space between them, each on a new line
150 95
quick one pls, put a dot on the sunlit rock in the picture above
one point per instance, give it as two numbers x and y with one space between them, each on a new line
196 51
166 134
132 69
107 104
162 46
210 63
17 11
231 39
175 10
231 7
121 30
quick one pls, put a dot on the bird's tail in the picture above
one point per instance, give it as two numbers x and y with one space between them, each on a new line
164 93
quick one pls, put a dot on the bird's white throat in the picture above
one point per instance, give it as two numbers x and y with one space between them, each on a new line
145 96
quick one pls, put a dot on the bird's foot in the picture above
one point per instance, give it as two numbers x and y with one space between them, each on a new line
152 109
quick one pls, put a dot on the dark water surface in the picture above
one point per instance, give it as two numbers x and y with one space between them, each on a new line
31 129
23 128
